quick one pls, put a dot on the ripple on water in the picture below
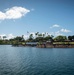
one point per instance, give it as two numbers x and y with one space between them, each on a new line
36 61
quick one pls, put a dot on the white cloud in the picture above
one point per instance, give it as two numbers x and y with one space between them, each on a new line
65 30
51 33
13 13
1 36
2 16
26 37
10 36
58 33
55 26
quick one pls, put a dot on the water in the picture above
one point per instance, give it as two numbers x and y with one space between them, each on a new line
36 61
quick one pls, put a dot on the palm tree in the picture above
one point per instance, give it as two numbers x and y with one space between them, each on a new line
22 37
4 37
52 36
36 34
31 37
43 35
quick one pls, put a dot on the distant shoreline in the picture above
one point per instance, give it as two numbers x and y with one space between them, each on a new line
45 45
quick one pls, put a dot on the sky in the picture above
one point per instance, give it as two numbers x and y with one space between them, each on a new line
17 17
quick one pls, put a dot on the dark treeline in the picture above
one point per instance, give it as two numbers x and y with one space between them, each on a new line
38 38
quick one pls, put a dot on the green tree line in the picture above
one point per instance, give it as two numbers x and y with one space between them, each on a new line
37 38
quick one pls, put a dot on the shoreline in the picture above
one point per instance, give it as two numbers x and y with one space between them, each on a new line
46 46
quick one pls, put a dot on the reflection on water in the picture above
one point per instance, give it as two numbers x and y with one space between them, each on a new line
36 61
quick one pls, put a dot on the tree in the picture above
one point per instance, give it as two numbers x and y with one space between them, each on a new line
71 38
60 38
1 41
31 37
48 38
43 35
36 34
39 38
52 36
4 37
18 39
23 38
39 35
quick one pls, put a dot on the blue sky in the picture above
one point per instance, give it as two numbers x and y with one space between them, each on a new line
53 16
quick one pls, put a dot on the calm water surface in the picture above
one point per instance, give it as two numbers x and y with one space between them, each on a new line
36 61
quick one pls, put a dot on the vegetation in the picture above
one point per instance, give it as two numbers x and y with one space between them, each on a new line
71 38
39 38
60 38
